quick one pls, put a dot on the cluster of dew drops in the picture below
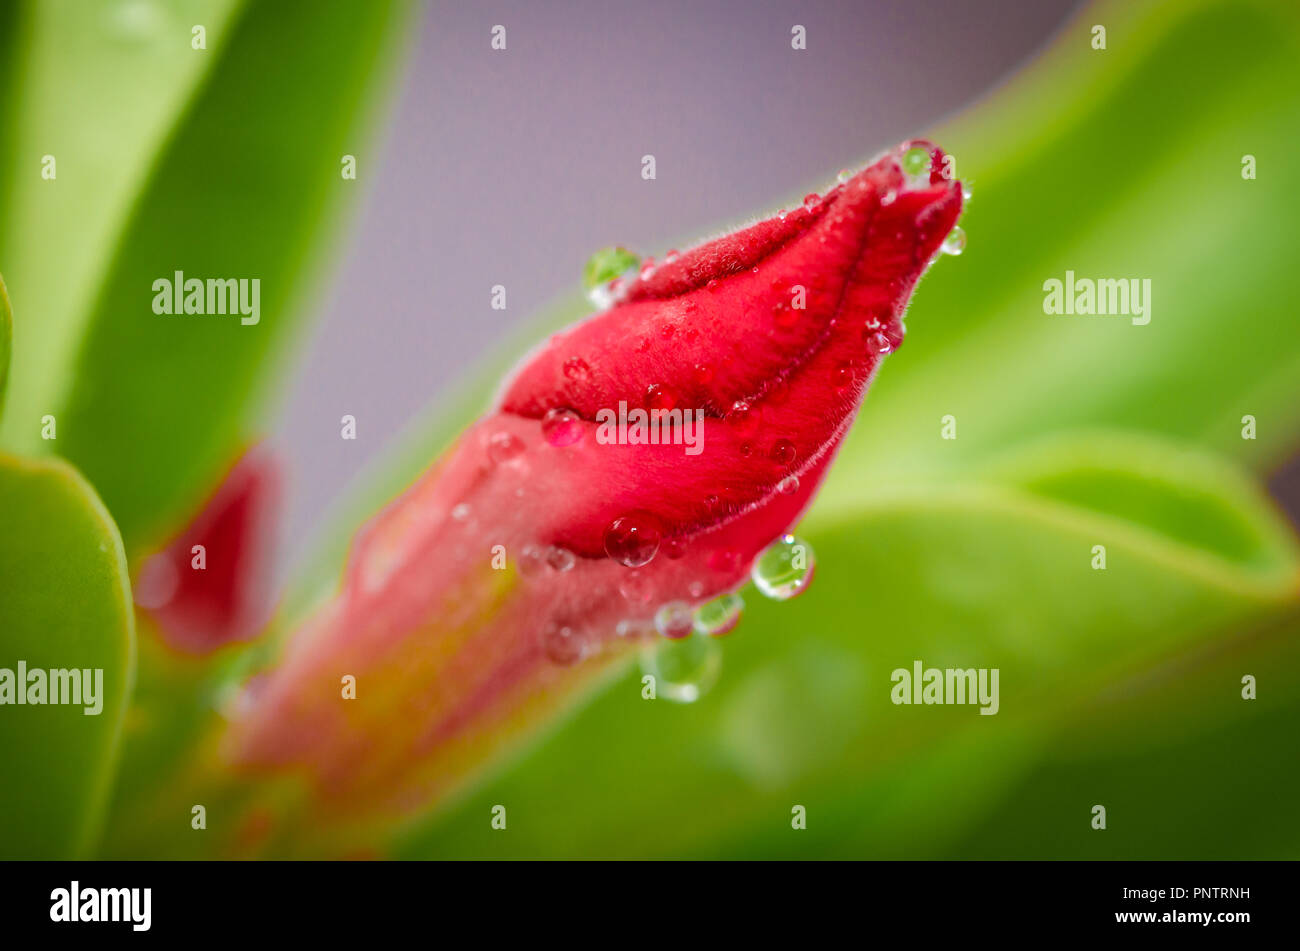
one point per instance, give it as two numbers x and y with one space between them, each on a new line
686 660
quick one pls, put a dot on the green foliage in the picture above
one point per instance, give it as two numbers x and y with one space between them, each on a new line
66 605
235 179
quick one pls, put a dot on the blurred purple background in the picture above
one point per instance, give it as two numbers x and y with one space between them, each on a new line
511 167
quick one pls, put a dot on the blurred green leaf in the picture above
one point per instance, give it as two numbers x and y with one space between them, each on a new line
153 408
6 339
65 604
99 90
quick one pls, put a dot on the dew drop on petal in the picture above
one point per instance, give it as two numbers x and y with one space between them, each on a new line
675 620
719 616
879 344
783 452
561 427
784 569
532 562
460 512
788 486
563 644
560 559
916 162
843 176
633 540
503 446
955 242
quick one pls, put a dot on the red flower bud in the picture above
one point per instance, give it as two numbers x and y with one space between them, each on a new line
771 334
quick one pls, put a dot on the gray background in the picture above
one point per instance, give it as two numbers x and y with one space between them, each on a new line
512 167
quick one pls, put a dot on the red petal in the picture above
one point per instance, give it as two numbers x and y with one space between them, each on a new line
455 656
198 609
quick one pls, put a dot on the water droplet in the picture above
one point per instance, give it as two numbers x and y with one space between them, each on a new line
684 670
784 569
673 548
560 559
746 450
460 512
647 268
675 620
966 191
633 539
955 242
783 452
879 344
719 616
629 629
812 200
503 446
743 418
561 427
712 286
635 587
843 176
607 264
916 162
532 562
702 374
671 255
577 370
563 644
788 486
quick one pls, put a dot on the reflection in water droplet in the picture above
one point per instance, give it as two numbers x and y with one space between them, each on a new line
955 242
674 620
633 540
784 569
719 616
879 344
916 162
788 486
683 670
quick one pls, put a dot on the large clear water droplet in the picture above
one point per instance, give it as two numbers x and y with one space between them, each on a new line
683 670
955 242
633 540
675 620
719 616
784 569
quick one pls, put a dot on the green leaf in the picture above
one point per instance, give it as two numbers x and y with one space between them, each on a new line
6 338
153 408
65 604
995 574
99 92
